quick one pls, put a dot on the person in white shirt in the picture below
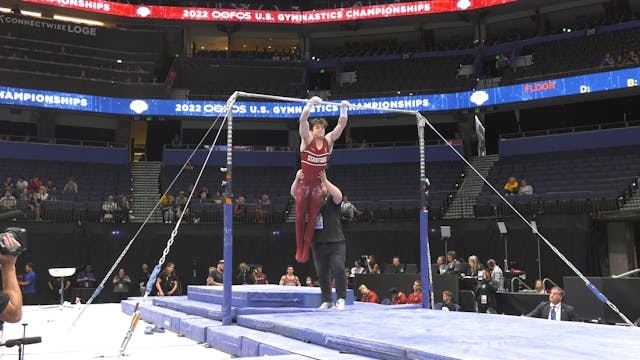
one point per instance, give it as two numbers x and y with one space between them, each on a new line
348 211
357 269
497 277
554 309
539 288
525 188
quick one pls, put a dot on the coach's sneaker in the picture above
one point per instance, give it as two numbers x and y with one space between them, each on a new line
340 304
326 306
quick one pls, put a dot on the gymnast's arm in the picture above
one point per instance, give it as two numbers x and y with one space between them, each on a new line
342 124
303 127
294 184
12 296
333 190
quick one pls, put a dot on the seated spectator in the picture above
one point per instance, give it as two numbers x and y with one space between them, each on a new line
240 208
51 186
121 284
525 188
8 201
189 166
372 267
259 276
86 278
356 269
397 297
368 295
416 296
167 208
43 194
25 195
348 211
539 288
217 199
511 187
181 202
397 267
35 184
442 265
554 309
204 193
309 282
216 275
632 58
454 266
71 186
245 275
8 184
290 279
447 303
109 208
263 208
22 184
34 206
607 60
486 294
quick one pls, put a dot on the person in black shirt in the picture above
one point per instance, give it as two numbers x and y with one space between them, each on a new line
328 247
167 283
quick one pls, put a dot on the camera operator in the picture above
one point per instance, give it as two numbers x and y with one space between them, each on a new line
10 297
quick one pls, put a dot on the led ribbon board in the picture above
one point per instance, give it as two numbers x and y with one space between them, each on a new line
273 17
604 81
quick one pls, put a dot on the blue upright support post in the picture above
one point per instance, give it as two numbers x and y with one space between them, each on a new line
425 254
228 220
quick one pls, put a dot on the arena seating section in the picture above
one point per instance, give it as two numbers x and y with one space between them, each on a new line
95 183
583 181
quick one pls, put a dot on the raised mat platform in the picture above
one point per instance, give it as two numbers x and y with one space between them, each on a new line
259 296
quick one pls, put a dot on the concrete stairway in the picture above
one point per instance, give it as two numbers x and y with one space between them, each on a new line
146 190
465 198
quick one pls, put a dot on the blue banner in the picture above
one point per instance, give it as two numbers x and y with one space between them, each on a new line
604 81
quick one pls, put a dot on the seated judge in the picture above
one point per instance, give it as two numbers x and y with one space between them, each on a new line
554 309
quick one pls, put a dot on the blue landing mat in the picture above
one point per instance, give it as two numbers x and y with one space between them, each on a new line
214 311
196 329
426 334
239 341
263 296
167 318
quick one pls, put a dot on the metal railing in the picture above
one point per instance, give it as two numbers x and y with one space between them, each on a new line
515 281
574 129
60 141
269 148
628 273
547 280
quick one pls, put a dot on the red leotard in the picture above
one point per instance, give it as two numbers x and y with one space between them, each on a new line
309 196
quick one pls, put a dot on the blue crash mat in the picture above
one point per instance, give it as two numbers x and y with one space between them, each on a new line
422 334
196 328
166 318
263 296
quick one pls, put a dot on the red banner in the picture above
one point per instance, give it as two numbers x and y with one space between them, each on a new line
275 17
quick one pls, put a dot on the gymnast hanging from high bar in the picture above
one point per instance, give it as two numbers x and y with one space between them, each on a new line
315 149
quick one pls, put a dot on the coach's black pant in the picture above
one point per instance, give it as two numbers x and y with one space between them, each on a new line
329 260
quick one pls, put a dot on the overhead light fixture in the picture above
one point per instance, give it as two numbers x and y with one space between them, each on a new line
78 20
30 13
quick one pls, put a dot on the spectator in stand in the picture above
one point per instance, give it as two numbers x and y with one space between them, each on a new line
28 284
167 203
124 208
539 288
348 211
368 295
71 186
8 201
204 193
8 184
35 184
397 267
632 58
22 184
607 60
109 208
416 296
189 165
372 266
290 279
263 209
181 202
217 199
34 206
525 188
357 269
447 303
486 294
43 194
25 195
52 189
216 275
86 278
240 208
497 277
121 284
442 265
511 187
454 266
259 276
167 282
620 61
397 297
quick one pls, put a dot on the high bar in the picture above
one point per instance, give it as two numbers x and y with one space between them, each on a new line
291 99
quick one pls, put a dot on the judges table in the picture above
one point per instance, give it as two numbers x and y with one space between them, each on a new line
518 303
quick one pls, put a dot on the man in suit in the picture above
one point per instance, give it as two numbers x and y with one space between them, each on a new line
554 309
454 265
